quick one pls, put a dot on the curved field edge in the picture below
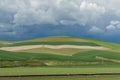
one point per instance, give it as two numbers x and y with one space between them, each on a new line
113 46
64 51
19 59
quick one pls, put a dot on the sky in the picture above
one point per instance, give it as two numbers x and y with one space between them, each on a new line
28 19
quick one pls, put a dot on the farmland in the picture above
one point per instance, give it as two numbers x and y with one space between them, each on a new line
55 71
59 56
55 43
78 52
58 71
82 58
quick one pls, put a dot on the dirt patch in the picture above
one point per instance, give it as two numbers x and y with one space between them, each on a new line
18 48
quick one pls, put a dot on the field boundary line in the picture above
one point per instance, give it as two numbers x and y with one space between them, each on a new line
62 75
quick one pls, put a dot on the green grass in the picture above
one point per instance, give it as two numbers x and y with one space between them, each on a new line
8 59
55 43
114 46
17 56
60 40
81 62
81 56
91 55
54 57
53 70
57 39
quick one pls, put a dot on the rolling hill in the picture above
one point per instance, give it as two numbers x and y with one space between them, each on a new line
59 50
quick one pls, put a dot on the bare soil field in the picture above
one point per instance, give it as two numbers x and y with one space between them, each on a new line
18 48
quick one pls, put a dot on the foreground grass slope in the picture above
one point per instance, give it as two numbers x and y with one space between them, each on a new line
53 70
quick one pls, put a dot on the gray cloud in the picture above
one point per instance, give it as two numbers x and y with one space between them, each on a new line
97 15
114 26
29 12
95 29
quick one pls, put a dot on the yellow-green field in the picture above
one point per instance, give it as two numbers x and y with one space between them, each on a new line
58 39
58 71
55 70
65 51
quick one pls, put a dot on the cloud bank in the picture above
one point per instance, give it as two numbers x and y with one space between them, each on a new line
23 19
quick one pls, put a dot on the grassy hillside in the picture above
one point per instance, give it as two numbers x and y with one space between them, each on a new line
57 39
66 40
63 56
87 56
55 43
82 58
111 45
60 40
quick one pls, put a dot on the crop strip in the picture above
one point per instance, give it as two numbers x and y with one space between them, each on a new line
62 75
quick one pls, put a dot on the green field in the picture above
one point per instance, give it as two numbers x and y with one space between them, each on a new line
68 78
55 70
80 56
59 71
60 57
46 61
57 39
18 59
55 43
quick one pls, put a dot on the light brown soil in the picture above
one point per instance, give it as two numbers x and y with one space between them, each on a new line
18 48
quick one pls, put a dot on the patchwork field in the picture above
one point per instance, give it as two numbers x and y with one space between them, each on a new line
55 71
58 56
62 51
